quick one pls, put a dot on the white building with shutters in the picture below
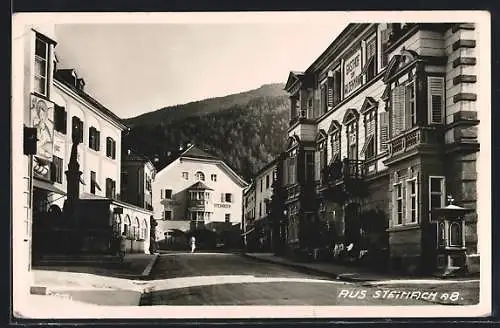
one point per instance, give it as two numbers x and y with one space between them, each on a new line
383 128
196 191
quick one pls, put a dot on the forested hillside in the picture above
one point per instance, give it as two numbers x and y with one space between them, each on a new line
247 134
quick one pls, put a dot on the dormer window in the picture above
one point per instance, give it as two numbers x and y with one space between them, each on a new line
200 176
41 76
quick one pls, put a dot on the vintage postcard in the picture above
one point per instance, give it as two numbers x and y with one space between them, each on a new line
251 165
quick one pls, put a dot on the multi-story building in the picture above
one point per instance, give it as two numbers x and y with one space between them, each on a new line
57 110
137 176
383 128
197 191
248 210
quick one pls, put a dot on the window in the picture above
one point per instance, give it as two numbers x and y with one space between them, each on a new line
369 148
261 184
77 128
185 175
126 226
41 66
352 140
456 234
436 191
199 176
167 215
411 189
384 131
110 188
320 158
403 108
260 210
267 181
110 148
229 198
336 145
168 193
93 183
435 91
398 203
124 179
57 169
213 177
292 167
94 138
227 218
371 59
60 116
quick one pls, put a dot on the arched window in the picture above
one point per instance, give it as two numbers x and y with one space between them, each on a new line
455 234
135 230
200 176
126 226
144 229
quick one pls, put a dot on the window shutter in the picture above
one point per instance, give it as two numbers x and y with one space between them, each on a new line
398 110
436 99
222 198
371 48
161 193
317 165
384 130
113 143
336 86
330 91
98 141
323 98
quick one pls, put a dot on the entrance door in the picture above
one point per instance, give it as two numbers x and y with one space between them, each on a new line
352 224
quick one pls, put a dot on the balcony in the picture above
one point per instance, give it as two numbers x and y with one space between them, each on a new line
197 203
342 179
292 192
415 139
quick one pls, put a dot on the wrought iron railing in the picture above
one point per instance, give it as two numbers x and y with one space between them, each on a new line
338 171
293 191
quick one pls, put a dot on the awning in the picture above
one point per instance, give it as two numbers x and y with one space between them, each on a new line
47 186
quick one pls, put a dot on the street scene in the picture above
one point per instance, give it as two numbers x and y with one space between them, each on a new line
344 174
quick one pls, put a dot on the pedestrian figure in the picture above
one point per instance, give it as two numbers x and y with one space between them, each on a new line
123 246
193 244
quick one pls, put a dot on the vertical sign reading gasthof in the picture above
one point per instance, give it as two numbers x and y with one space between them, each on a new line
353 77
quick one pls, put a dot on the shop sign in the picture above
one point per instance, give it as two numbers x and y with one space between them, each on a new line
222 205
353 77
42 118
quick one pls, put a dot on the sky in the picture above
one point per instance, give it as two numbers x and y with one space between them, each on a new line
137 68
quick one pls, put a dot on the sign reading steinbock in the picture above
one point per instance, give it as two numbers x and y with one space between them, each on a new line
42 118
352 73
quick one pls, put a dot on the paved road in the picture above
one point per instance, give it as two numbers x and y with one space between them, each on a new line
230 279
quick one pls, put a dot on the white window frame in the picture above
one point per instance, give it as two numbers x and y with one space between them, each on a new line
396 198
47 63
409 197
443 190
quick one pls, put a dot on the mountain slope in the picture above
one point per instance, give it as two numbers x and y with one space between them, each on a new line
207 106
247 135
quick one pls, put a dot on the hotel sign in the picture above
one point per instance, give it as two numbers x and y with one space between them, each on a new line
42 118
353 77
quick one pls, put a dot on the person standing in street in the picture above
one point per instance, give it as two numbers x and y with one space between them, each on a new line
193 244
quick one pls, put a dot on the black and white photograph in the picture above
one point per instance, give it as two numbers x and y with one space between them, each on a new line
251 165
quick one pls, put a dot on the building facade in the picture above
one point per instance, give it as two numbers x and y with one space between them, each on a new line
383 128
137 176
197 191
57 110
248 210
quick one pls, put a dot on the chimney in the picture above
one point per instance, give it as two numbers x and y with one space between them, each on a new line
80 84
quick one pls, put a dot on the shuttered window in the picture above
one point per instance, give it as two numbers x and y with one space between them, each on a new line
435 86
398 110
60 116
369 149
330 92
337 86
324 100
384 130
94 138
384 36
411 113
336 145
370 68
352 140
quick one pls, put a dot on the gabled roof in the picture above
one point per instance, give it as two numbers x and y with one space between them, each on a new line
293 77
195 152
199 186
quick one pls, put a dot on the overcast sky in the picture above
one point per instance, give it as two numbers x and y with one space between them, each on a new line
137 68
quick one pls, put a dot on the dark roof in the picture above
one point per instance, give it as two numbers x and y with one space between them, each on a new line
59 76
196 152
199 186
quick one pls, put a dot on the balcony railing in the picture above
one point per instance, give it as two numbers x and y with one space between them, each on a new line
293 191
340 171
197 202
414 138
